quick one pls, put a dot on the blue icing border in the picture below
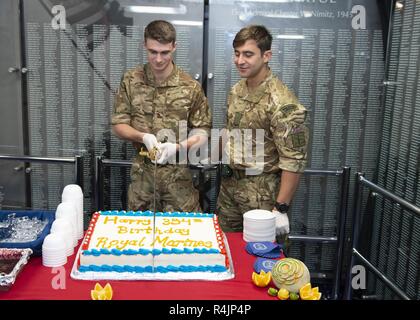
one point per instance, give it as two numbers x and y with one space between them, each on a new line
149 269
154 252
149 213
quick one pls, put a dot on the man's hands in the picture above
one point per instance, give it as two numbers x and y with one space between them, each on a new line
166 151
150 141
166 154
282 223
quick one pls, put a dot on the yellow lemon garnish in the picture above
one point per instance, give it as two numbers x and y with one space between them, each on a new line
94 295
283 294
305 288
102 296
98 287
108 291
308 293
101 293
261 279
316 296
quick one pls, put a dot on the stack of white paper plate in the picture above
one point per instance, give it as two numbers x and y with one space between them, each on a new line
259 225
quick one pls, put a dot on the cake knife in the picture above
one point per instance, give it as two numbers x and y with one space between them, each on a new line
152 155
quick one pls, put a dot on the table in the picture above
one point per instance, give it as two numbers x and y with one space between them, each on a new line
37 282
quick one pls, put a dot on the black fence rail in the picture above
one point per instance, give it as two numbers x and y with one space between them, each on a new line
361 182
77 161
100 165
344 175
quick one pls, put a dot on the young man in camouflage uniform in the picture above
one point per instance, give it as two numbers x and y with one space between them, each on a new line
155 106
261 101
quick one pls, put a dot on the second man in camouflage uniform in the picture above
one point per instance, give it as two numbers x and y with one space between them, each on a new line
155 106
261 101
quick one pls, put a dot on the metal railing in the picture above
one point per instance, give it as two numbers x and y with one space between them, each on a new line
100 163
76 160
361 181
338 239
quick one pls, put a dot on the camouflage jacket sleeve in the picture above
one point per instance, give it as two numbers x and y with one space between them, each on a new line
121 112
290 134
200 115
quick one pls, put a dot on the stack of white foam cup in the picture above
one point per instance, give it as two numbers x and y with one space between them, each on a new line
68 211
73 193
64 228
54 250
259 226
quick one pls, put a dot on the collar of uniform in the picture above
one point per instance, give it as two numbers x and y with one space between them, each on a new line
256 95
171 81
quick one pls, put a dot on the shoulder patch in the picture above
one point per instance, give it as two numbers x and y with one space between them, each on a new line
298 139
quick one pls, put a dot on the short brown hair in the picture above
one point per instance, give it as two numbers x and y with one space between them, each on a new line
161 31
260 34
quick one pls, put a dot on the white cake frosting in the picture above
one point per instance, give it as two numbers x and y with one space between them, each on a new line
123 241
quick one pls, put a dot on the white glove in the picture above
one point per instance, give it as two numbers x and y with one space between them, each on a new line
150 141
166 153
282 223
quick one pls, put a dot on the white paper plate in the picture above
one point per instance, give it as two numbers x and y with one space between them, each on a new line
259 214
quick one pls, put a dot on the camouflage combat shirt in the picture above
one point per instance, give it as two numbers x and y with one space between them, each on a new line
271 107
177 104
